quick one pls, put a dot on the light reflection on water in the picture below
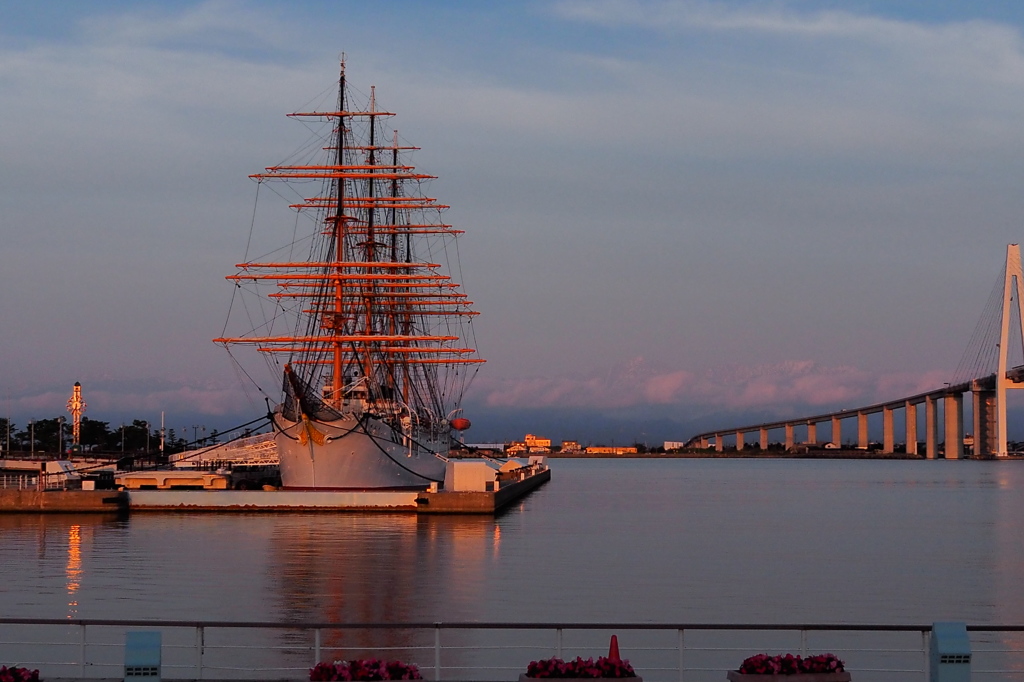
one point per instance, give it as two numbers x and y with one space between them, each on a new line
74 567
632 540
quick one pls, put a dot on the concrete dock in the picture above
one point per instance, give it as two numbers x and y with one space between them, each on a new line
270 500
416 502
474 502
90 501
441 502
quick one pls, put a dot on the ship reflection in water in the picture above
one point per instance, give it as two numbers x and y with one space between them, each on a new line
380 569
662 541
289 568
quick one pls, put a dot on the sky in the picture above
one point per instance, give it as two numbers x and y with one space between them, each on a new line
678 214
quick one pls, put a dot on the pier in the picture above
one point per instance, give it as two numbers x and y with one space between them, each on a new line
492 497
79 501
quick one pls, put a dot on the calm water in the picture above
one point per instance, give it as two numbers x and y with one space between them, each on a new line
663 541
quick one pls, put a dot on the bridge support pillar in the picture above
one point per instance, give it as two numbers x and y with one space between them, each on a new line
703 444
988 395
888 439
931 427
1013 283
986 427
911 419
954 417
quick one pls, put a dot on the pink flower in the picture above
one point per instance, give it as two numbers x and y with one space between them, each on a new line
788 664
15 674
367 670
589 668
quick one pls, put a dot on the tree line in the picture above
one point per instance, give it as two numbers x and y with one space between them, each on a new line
55 436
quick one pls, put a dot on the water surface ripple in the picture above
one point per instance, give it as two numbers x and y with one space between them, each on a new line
678 540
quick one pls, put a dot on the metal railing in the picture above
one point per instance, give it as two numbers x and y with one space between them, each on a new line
19 481
94 648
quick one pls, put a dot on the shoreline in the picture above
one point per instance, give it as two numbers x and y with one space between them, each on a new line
770 454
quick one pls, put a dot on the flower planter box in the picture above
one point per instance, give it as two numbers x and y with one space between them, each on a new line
734 676
525 678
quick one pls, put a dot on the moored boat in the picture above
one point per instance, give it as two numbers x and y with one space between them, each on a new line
377 354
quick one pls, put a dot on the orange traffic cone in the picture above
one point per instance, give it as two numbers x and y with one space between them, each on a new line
613 649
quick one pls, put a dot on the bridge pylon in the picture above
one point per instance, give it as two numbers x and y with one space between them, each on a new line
988 394
1013 287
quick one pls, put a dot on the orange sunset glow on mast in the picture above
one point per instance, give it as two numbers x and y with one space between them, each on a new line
381 327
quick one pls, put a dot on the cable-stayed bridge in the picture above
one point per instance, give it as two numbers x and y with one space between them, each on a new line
985 374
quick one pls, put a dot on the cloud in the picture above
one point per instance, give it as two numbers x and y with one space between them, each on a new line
784 388
214 25
663 195
665 388
785 19
226 404
213 400
820 81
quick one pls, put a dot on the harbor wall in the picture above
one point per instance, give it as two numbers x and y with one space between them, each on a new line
477 502
100 501
111 501
269 500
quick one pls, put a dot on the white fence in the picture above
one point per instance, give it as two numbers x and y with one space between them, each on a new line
84 649
19 481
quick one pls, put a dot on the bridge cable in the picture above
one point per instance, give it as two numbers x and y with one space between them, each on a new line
982 353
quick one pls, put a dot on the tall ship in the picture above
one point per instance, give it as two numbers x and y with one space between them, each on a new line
359 315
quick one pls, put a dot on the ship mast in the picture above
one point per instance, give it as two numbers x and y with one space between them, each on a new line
383 322
369 245
337 361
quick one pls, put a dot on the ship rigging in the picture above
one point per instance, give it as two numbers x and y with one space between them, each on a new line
379 348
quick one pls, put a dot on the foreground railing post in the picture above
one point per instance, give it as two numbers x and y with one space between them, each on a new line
682 647
199 652
926 664
558 642
316 646
803 643
437 651
81 651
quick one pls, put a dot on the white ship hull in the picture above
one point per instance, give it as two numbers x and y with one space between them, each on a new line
353 453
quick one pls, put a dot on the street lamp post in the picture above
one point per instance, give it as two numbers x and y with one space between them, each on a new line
32 436
60 436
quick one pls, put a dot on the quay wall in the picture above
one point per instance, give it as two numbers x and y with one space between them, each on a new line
111 501
479 502
99 501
